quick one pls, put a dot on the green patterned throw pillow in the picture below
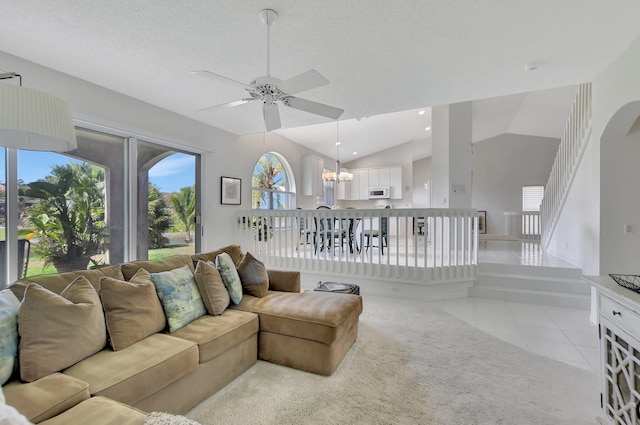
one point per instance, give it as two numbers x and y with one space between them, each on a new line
230 277
8 334
179 297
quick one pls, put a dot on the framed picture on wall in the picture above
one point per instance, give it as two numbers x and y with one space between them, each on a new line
230 190
482 222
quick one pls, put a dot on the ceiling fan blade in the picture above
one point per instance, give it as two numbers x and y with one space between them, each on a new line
227 105
313 107
271 116
221 78
305 81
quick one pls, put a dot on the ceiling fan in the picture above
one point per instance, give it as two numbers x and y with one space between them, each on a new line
270 90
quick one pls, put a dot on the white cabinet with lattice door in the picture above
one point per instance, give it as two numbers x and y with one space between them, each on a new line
619 329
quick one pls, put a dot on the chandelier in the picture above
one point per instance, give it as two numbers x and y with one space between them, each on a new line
337 175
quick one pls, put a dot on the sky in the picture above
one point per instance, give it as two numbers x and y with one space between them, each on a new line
170 174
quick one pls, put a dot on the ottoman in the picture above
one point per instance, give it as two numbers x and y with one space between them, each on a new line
310 331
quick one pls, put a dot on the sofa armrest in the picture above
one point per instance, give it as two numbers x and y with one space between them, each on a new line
285 281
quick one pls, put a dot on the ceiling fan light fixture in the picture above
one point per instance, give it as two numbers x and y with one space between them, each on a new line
271 90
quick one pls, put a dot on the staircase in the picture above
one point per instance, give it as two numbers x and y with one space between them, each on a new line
555 286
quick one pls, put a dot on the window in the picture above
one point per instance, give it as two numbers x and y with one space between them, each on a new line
272 186
532 197
71 212
531 201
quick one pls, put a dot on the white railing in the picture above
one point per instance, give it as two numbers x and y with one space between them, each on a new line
524 225
576 133
421 245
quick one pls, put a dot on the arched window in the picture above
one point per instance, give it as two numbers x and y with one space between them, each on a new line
273 187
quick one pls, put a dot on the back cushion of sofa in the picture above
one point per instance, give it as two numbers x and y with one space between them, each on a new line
58 281
234 251
157 266
57 331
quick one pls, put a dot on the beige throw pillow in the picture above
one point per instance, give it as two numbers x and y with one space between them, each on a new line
214 293
132 309
253 275
57 331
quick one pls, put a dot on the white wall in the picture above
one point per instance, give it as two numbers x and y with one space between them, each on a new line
224 154
616 87
605 194
501 166
421 175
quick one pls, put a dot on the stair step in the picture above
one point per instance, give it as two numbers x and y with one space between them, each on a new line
534 283
552 298
519 269
556 286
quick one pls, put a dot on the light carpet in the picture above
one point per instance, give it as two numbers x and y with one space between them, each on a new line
412 364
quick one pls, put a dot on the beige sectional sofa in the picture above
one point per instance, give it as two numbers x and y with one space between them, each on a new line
172 372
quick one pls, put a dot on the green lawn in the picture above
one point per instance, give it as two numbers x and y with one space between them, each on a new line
36 263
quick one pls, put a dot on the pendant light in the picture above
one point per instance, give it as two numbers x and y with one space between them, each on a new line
337 175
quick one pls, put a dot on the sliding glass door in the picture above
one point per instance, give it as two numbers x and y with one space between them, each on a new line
102 203
169 203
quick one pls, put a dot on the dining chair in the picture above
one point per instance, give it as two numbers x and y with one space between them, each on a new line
305 230
380 234
323 231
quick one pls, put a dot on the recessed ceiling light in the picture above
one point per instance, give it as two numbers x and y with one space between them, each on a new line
355 153
422 112
427 129
337 143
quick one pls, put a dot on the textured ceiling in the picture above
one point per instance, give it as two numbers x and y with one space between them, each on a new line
380 56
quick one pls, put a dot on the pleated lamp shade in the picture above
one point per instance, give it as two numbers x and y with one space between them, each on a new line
33 120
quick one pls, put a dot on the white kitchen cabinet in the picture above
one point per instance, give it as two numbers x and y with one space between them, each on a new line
374 177
363 184
387 176
343 190
312 167
358 187
364 178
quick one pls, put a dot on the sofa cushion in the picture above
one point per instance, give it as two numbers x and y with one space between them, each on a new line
316 316
46 397
132 309
138 371
58 281
57 331
234 251
100 411
179 296
214 294
230 277
217 334
156 266
253 275
8 334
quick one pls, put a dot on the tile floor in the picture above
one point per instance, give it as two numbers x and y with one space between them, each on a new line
563 334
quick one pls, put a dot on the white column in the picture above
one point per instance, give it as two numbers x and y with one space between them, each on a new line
451 156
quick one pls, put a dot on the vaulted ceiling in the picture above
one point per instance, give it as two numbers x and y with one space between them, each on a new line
381 57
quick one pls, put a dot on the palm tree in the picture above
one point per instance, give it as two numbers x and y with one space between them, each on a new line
159 218
69 217
184 208
270 177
